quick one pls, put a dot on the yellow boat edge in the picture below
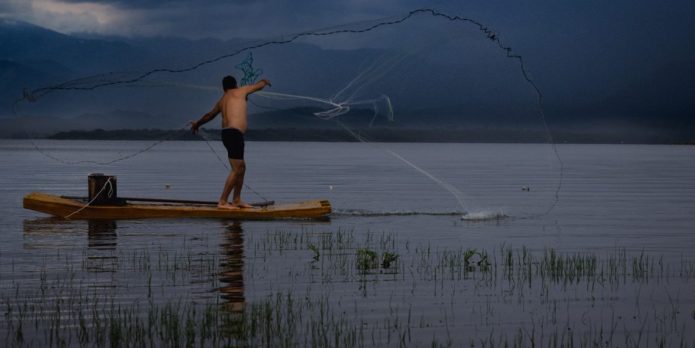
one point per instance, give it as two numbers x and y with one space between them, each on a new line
63 207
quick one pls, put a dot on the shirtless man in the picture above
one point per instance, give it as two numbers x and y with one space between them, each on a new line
233 107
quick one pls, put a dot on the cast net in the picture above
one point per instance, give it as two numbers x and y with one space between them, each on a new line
421 76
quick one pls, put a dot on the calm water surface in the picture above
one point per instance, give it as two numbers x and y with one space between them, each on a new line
630 208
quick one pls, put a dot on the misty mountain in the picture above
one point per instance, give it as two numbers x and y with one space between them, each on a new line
24 42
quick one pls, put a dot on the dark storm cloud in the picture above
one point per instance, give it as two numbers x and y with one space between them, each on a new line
194 19
159 3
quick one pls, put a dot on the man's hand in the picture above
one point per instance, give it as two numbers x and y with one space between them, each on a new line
194 127
267 82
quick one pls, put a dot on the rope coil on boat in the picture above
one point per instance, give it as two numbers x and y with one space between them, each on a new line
110 193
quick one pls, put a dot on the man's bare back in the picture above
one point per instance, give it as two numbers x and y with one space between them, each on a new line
233 107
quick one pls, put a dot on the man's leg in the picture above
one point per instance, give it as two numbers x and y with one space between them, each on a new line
229 185
240 170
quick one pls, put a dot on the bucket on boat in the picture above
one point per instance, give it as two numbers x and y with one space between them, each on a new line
102 189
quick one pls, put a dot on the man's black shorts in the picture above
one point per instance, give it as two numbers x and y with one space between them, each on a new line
233 140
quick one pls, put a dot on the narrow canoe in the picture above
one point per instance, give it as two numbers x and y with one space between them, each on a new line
75 209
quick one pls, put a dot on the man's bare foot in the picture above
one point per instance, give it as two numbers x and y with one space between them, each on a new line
242 204
227 205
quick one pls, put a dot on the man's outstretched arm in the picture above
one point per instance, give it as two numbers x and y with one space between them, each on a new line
206 118
257 86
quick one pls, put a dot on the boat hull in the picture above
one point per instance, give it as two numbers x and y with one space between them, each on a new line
74 209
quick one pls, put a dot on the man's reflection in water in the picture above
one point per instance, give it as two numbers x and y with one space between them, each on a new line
232 266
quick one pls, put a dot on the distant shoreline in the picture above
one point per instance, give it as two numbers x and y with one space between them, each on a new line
375 135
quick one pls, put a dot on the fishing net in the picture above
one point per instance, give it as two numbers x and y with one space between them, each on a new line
421 76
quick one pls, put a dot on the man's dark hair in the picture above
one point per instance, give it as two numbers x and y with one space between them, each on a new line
228 82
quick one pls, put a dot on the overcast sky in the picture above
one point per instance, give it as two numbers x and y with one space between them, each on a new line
616 19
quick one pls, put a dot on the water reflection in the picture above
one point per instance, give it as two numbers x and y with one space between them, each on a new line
231 277
58 233
45 224
101 234
232 268
101 253
101 246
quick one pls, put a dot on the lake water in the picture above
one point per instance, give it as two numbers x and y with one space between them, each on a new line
612 263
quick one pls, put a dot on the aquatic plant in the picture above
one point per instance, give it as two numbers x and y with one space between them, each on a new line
388 258
315 250
366 259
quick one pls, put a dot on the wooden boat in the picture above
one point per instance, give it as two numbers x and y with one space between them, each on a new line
72 208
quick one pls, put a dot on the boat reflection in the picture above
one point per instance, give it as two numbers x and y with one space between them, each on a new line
53 232
57 233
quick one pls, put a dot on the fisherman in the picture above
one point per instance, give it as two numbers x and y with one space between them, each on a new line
233 106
